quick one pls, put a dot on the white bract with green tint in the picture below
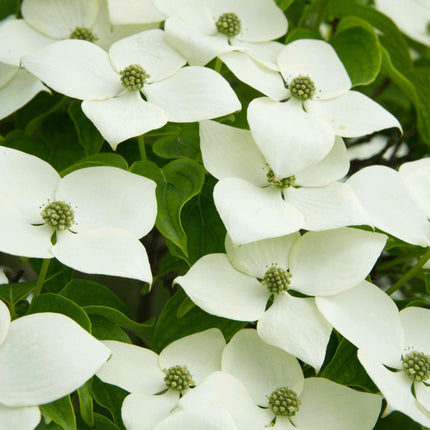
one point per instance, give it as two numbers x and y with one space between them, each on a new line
254 204
296 125
239 284
43 357
113 103
98 215
157 381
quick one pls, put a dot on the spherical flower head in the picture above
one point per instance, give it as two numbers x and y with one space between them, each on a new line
302 87
284 401
228 24
83 33
417 366
280 183
133 77
178 378
277 280
58 215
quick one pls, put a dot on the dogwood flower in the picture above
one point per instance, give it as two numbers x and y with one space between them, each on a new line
238 285
275 381
202 29
97 214
156 382
112 85
133 12
254 204
312 104
43 357
402 375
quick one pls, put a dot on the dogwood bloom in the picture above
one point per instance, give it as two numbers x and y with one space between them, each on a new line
254 204
402 375
156 382
238 285
44 357
133 12
112 85
275 381
309 106
97 214
202 29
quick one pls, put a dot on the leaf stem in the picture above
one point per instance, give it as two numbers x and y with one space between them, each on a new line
42 277
142 150
409 275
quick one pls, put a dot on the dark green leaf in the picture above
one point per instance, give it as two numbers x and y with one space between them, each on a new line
61 412
103 159
58 274
104 329
16 292
9 7
100 423
31 145
86 403
397 421
301 33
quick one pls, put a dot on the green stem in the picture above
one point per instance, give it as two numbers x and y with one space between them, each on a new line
218 65
142 150
41 278
409 275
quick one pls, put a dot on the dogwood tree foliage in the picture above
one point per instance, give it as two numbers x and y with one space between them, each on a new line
188 239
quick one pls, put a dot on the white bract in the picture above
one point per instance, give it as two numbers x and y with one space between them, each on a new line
43 357
204 29
403 374
157 381
254 204
275 381
106 210
239 285
312 103
133 12
111 85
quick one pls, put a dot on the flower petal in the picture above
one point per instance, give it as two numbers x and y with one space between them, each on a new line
415 321
58 18
296 326
252 213
332 206
110 197
107 251
352 114
19 418
123 117
329 262
231 152
422 394
132 368
219 289
385 197
7 72
76 68
46 356
318 60
193 94
262 368
200 352
133 12
4 321
264 53
256 257
380 331
150 50
330 406
286 135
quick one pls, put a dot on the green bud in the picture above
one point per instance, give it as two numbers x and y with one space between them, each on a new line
228 24
178 378
302 87
58 215
133 77
280 183
83 33
416 365
277 280
284 402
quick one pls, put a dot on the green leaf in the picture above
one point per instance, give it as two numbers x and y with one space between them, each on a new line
100 422
50 302
170 328
30 144
61 412
104 329
58 274
13 293
301 33
9 7
397 421
284 4
177 182
89 137
86 403
103 159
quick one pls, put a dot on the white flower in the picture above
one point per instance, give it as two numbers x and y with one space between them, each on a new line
111 85
203 29
403 374
309 107
108 209
153 379
238 285
255 205
272 375
43 357
133 12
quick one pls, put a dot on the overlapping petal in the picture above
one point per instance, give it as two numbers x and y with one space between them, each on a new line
133 12
25 418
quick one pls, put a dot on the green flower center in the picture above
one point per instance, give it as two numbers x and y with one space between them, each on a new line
277 280
417 366
59 215
83 33
228 24
302 87
280 183
284 401
178 378
133 77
